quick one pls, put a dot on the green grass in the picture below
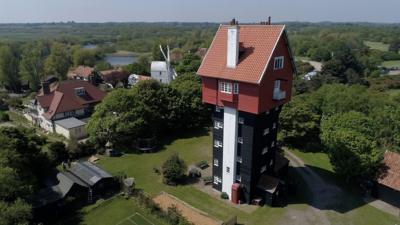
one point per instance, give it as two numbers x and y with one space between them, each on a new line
195 147
113 211
391 63
377 45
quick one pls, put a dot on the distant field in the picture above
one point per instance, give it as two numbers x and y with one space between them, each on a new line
377 45
391 63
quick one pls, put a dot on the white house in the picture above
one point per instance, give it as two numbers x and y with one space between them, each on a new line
162 70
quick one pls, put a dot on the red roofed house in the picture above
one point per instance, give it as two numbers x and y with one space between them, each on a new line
115 77
56 107
247 75
388 183
85 73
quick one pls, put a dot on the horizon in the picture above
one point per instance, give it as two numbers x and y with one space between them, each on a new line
153 11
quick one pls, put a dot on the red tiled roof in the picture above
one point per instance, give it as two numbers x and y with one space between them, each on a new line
114 76
257 43
82 71
391 171
64 99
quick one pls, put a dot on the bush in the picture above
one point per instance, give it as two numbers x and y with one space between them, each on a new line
156 170
224 195
4 117
58 152
15 103
173 170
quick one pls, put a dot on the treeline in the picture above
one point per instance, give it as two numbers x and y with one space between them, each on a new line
354 124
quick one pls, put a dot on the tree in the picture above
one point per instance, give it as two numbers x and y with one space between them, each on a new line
17 212
59 61
103 65
32 65
86 57
173 170
299 125
9 74
394 46
58 152
352 149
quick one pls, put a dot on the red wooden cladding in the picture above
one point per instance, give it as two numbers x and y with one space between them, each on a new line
254 98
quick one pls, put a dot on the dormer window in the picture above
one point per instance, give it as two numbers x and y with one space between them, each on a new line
278 63
80 91
225 87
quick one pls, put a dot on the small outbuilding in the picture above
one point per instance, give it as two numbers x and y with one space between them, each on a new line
388 183
71 127
268 188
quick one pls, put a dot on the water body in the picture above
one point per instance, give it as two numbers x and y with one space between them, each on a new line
116 60
90 46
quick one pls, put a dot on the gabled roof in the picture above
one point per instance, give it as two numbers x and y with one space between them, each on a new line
69 123
390 176
82 71
63 98
88 172
257 44
114 75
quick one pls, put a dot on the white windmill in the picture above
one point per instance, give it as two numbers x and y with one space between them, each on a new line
162 70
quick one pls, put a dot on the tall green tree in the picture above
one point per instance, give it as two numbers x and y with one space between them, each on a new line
32 64
59 61
9 74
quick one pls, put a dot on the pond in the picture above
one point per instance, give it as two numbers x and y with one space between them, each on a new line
116 60
90 46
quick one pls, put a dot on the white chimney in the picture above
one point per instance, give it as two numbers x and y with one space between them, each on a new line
233 45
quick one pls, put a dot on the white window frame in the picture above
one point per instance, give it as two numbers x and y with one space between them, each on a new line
266 131
263 169
274 126
217 143
225 87
279 62
238 177
271 163
239 159
217 109
218 125
240 140
265 150
216 162
273 144
277 85
241 120
235 88
217 180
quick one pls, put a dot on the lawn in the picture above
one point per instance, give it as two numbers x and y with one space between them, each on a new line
377 45
114 211
196 146
391 63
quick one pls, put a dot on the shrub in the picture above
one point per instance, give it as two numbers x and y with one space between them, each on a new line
224 195
4 117
58 152
156 170
173 170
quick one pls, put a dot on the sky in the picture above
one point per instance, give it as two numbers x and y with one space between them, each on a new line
32 11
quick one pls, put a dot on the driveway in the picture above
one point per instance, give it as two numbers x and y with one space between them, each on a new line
324 197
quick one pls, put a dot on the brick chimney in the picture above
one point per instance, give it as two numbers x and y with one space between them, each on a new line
232 58
46 87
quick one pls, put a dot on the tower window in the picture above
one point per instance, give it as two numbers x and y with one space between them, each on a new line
241 120
239 178
263 169
235 88
240 140
217 109
273 144
265 150
228 169
217 143
274 126
239 159
266 131
218 125
217 180
225 87
215 162
278 63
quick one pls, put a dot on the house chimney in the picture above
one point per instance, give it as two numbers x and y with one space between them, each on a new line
269 20
46 87
232 58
